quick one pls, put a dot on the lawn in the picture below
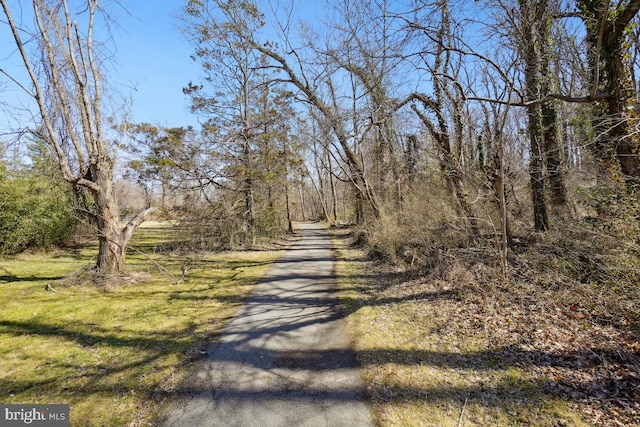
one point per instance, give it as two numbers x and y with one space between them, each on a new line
115 354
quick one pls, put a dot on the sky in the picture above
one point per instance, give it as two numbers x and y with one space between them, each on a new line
153 57
150 67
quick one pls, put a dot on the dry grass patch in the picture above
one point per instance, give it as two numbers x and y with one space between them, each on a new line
115 354
452 346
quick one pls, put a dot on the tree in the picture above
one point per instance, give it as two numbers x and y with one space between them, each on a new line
240 22
159 149
365 45
247 115
66 82
231 73
608 29
446 107
532 31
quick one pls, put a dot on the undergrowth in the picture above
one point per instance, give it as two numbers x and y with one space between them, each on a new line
446 339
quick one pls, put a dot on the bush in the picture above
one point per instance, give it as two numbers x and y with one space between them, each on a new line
34 213
410 235
615 213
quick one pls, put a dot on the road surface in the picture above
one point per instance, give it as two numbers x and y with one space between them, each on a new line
284 359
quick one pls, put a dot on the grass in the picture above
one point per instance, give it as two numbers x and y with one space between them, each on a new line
114 354
432 357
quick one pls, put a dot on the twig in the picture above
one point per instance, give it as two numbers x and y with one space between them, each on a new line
163 270
50 288
464 407
185 269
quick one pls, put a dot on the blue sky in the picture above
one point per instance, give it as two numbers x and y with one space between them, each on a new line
153 57
150 67
151 64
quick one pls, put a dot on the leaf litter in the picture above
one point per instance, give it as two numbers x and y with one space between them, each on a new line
559 339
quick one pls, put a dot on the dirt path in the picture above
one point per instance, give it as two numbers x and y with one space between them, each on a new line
284 359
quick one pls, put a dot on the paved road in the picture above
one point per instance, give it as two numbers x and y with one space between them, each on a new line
284 359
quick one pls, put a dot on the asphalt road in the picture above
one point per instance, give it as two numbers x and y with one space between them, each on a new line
284 359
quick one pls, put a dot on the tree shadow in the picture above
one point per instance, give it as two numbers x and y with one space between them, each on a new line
313 301
13 278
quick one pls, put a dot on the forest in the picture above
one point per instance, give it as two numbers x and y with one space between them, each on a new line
483 151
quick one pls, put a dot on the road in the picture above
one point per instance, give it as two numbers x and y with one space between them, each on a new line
284 359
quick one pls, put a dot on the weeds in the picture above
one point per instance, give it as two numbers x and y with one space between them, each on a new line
447 341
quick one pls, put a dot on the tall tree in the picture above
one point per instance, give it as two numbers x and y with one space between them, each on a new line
608 26
231 84
65 80
238 21
365 46
531 15
445 106
247 114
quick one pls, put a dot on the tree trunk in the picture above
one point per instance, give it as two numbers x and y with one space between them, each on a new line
334 197
553 154
501 199
540 216
250 219
111 251
530 50
247 183
286 197
304 215
549 110
163 201
112 240
321 198
606 25
411 158
359 205
621 133
455 177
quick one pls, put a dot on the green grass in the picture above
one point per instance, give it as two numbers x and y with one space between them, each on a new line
114 354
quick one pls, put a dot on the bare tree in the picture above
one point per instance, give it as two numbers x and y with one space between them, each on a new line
64 70
445 106
530 15
328 109
292 71
366 45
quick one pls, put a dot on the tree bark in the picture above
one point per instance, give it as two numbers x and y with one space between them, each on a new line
288 208
615 126
550 128
530 48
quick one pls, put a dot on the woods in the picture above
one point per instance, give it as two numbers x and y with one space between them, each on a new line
494 137
523 67
400 98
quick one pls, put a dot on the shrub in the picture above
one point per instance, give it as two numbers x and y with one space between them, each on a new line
615 213
34 213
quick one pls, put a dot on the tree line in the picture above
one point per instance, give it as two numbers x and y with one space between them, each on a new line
483 120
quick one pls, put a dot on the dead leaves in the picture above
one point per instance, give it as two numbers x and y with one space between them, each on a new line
554 332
